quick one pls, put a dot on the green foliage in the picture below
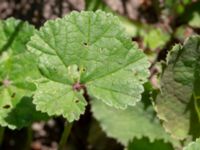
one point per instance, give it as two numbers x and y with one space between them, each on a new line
155 38
17 70
180 89
176 7
59 99
93 5
192 16
14 35
87 58
193 145
133 123
95 56
194 22
131 27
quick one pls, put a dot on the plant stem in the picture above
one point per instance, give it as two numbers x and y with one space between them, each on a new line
2 129
65 135
27 145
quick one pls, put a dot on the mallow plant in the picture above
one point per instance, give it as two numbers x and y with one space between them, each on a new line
86 58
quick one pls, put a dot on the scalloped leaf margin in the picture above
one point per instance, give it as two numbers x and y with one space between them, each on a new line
87 50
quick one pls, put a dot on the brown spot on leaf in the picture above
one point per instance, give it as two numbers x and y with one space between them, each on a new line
6 106
84 69
13 95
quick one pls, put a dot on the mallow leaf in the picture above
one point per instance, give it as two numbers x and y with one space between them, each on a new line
87 52
180 82
135 122
17 69
193 145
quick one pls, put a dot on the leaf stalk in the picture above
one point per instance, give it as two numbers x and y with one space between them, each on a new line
65 135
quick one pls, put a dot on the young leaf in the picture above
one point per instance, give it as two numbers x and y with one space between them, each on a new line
179 90
193 145
17 68
87 51
155 38
134 122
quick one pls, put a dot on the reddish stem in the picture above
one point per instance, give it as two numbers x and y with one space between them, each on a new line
78 86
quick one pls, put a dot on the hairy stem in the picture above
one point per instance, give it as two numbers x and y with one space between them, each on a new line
65 135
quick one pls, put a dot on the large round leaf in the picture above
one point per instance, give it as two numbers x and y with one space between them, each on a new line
87 51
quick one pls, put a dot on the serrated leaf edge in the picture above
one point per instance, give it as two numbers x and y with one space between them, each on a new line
161 117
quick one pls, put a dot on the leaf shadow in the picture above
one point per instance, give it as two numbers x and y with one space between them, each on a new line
24 113
194 129
145 144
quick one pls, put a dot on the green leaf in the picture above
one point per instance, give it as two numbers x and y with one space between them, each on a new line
177 7
14 35
134 122
89 50
132 28
17 70
155 38
193 15
22 114
179 90
57 98
193 145
93 5
194 22
144 144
